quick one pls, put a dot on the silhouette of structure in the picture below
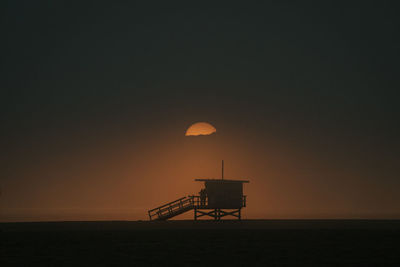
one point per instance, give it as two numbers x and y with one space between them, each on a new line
218 198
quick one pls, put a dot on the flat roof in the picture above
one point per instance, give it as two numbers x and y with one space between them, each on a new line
221 181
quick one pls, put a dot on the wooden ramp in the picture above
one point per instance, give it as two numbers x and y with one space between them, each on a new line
172 209
201 208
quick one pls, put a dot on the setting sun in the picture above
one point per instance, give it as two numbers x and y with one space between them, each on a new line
200 128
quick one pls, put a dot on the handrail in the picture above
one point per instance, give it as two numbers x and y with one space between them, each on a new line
167 204
171 207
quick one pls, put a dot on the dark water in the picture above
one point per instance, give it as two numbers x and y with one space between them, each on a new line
184 243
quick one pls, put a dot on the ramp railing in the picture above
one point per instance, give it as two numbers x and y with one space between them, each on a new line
172 208
182 205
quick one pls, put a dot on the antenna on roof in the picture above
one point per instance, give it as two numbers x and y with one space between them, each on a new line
222 170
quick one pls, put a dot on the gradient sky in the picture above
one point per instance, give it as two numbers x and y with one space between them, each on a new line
96 97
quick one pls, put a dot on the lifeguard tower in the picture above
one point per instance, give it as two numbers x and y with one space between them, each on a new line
218 198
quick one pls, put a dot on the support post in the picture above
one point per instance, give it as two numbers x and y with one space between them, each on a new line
222 177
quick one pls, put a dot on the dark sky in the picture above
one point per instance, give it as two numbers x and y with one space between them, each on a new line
311 87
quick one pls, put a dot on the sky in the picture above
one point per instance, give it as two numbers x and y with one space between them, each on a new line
96 97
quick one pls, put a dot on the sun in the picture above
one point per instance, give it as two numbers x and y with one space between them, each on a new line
200 128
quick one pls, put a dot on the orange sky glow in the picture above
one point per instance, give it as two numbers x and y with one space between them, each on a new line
117 177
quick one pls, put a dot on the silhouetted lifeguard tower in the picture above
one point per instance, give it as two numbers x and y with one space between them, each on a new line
218 198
